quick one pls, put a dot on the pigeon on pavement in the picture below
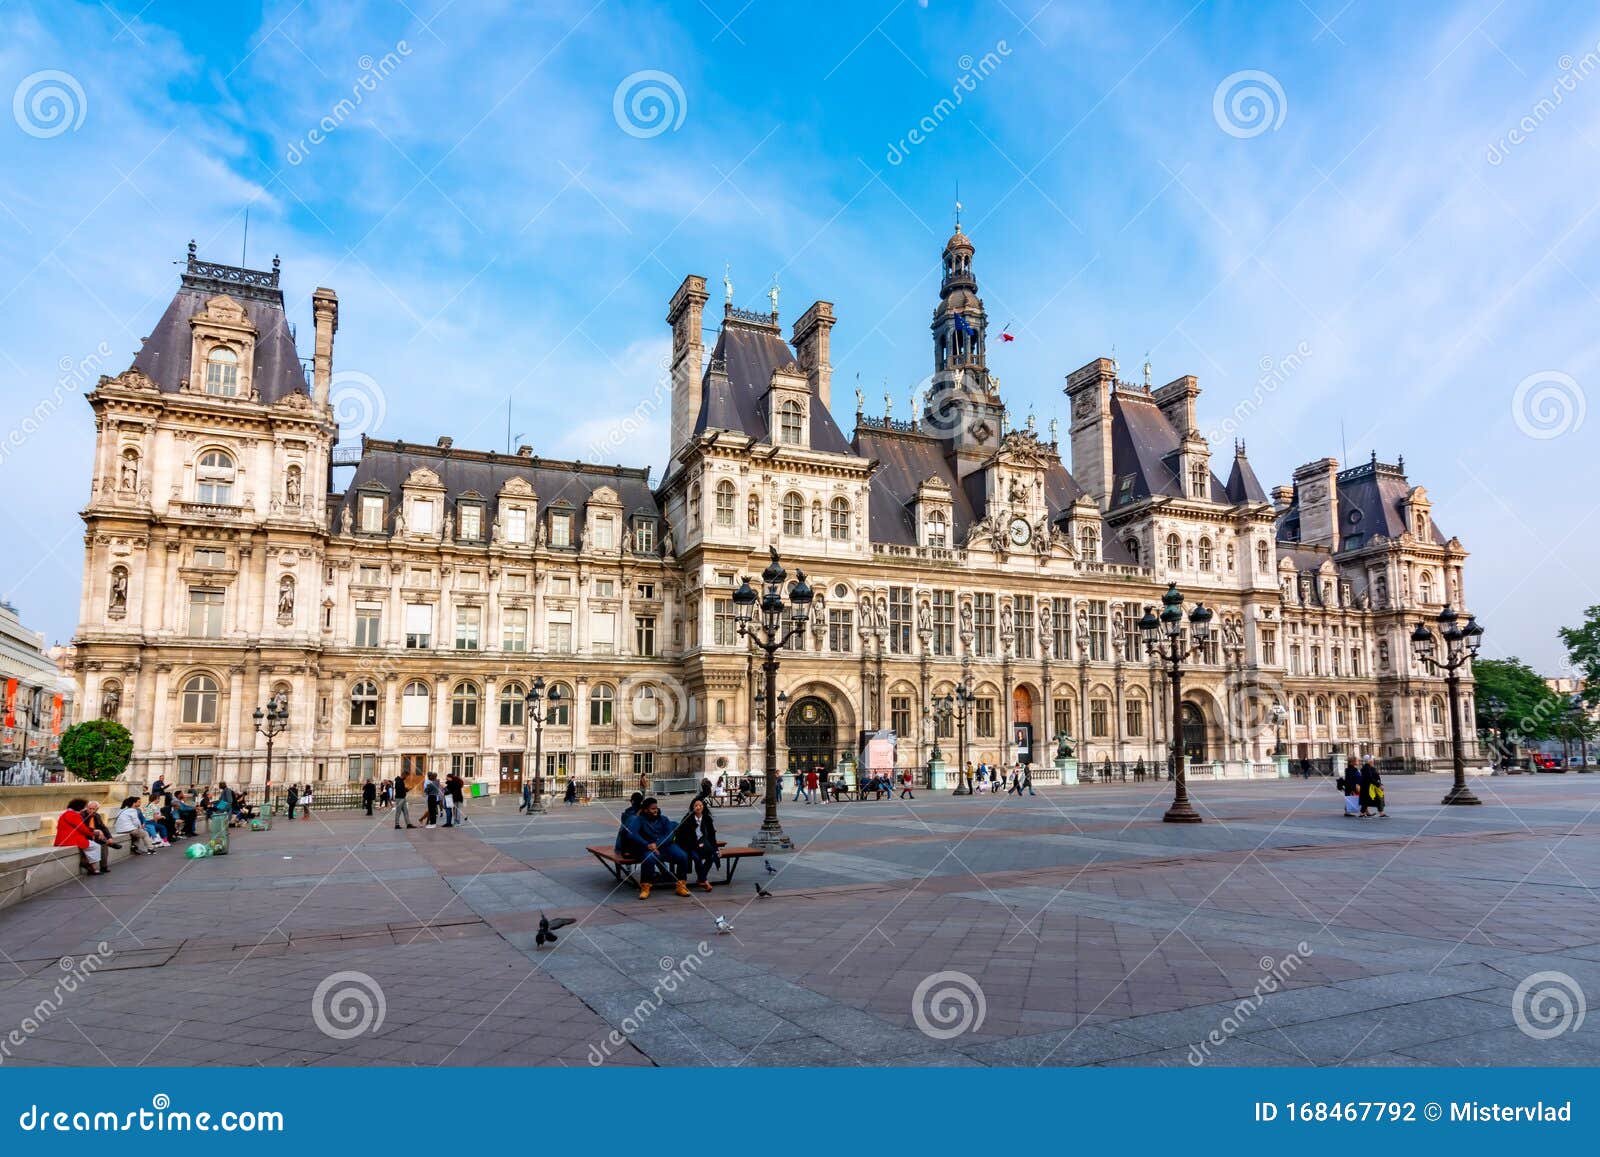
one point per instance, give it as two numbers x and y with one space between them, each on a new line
547 928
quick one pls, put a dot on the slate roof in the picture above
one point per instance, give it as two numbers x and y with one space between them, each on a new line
164 356
1243 485
1144 445
1371 501
749 353
385 466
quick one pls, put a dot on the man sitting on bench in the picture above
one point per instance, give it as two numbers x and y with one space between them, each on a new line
651 838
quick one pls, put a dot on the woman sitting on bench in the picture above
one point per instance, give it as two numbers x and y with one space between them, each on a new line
697 836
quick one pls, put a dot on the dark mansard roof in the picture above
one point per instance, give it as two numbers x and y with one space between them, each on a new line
748 351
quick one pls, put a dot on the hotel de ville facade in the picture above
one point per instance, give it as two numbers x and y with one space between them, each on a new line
402 617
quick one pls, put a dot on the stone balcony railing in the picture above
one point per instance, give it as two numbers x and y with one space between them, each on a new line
216 511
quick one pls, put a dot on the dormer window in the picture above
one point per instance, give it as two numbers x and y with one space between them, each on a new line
214 478
938 530
1089 544
516 524
222 372
371 514
560 528
605 532
789 418
644 535
469 526
422 510
1199 481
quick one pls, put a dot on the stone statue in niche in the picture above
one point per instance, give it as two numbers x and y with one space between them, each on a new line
110 702
449 527
130 473
627 542
753 518
286 596
1046 635
538 533
346 520
399 522
924 620
816 518
966 620
666 544
1006 625
291 488
119 589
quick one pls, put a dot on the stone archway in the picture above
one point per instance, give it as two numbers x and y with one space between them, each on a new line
1194 732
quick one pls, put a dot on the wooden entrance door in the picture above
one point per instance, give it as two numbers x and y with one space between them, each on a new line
511 773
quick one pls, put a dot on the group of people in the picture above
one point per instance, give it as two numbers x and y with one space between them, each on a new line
994 780
149 822
816 786
1362 788
444 799
300 796
667 850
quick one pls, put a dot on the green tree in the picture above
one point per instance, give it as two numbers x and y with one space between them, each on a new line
96 749
1583 649
1514 700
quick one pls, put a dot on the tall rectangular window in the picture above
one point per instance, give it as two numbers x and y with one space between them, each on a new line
983 624
419 626
1134 708
516 524
841 630
371 514
1269 647
558 633
644 634
422 516
1023 609
943 605
468 622
514 629
360 768
1099 718
724 631
469 522
900 715
1062 712
464 764
644 536
1096 619
369 625
644 763
603 632
984 718
1061 628
205 613
900 620
605 532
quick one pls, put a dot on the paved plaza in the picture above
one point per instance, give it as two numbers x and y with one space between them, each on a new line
1070 928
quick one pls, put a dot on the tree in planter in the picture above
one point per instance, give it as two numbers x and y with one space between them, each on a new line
96 749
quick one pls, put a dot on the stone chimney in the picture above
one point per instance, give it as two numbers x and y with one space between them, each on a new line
1317 483
811 340
1176 400
684 315
1282 499
1089 391
325 313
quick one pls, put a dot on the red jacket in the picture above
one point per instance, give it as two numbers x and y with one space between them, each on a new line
72 830
811 781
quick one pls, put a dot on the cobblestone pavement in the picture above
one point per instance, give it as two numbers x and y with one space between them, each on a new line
1068 928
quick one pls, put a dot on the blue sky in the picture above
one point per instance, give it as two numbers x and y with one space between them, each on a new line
495 230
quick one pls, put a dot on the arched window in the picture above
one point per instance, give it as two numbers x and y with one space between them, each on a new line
725 499
1089 544
1436 711
1132 547
214 478
464 705
1363 714
364 704
1322 711
694 507
789 415
938 529
1263 557
1174 552
222 372
1425 587
511 704
602 706
559 711
1341 712
200 699
1299 710
1205 555
839 519
794 513
414 704
1199 481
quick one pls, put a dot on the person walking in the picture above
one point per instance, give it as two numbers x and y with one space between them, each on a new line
570 796
402 810
905 785
456 788
293 797
1371 789
431 792
811 786
369 795
305 802
1349 785
799 786
1027 778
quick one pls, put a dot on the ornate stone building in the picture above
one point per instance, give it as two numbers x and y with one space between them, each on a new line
403 617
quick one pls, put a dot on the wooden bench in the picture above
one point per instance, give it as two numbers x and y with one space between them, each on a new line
621 867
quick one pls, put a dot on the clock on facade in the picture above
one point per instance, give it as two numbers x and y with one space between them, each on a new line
1021 532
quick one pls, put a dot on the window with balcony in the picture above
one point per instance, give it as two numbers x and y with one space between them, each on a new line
214 478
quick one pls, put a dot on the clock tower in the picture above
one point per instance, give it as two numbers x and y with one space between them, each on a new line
963 405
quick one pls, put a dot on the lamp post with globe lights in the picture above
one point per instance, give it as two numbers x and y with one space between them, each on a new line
1167 639
1460 646
271 723
538 701
770 622
955 705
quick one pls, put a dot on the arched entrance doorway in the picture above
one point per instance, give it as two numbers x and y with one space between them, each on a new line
1022 724
809 735
1194 733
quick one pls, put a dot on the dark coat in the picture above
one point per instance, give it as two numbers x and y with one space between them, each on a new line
369 792
399 787
707 847
1370 780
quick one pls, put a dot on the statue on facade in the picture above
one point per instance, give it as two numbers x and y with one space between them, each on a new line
130 473
119 589
666 544
346 520
1046 634
1063 746
291 488
816 518
538 533
399 522
286 596
753 510
924 620
627 542
110 702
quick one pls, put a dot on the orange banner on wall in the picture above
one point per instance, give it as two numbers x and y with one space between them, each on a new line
55 716
11 702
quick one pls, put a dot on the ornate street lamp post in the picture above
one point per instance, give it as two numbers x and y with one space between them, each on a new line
272 722
537 701
761 714
770 624
955 705
1168 640
1461 643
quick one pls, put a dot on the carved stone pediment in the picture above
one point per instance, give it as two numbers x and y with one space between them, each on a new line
517 486
604 496
131 379
422 476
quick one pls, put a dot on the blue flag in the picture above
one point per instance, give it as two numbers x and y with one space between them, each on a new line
964 326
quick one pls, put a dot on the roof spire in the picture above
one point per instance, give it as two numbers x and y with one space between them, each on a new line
958 204
772 295
1147 369
727 282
